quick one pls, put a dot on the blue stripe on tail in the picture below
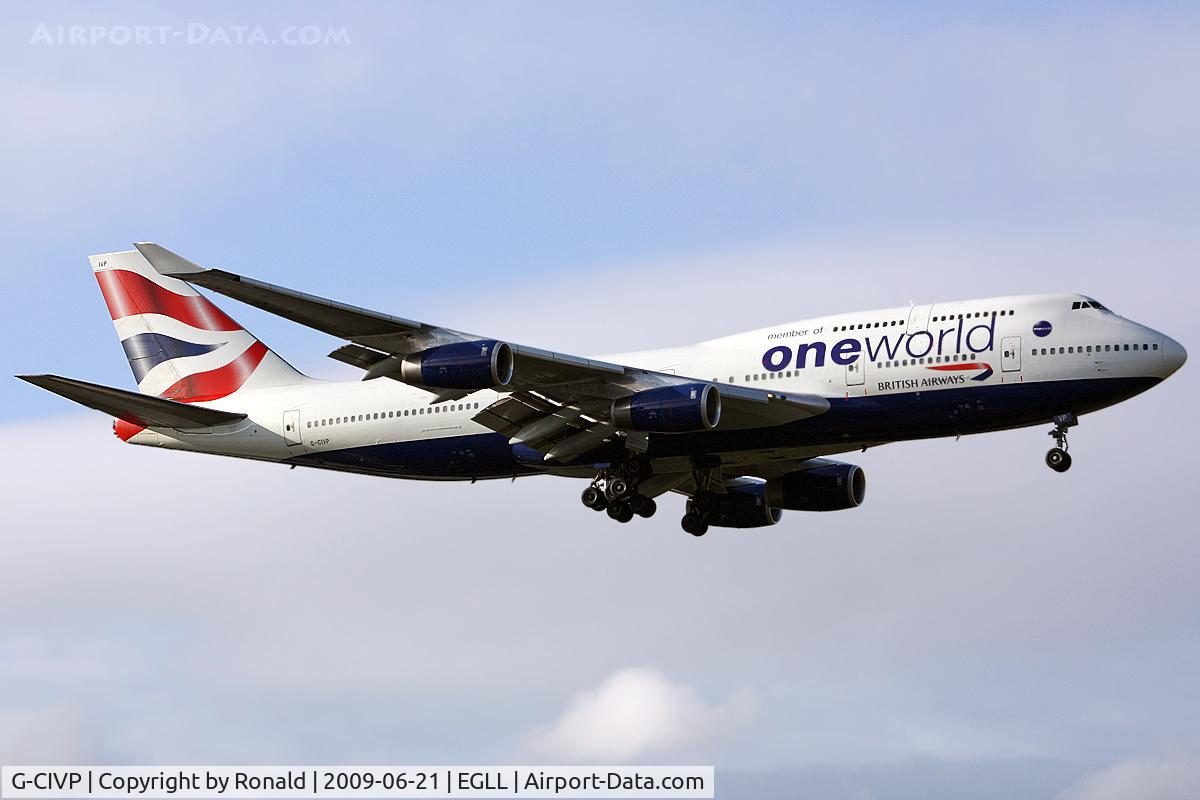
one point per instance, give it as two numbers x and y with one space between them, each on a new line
146 351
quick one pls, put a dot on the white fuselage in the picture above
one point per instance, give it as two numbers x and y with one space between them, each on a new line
1015 350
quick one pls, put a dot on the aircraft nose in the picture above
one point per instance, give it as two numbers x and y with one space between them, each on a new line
1173 354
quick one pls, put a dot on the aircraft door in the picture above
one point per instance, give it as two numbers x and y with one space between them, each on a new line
291 428
855 374
918 318
1010 354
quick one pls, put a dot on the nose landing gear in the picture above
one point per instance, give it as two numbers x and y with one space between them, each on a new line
1058 459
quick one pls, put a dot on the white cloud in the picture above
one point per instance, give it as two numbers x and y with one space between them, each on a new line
636 714
1172 775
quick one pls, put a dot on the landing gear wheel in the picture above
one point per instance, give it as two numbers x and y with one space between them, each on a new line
594 499
695 524
1058 459
618 489
643 506
621 512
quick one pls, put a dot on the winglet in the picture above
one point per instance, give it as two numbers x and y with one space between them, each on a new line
165 262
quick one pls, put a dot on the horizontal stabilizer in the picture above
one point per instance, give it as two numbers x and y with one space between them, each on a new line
139 409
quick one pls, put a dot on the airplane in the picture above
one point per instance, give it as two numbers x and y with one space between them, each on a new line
743 425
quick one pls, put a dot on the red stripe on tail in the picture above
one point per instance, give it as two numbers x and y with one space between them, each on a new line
218 383
126 430
128 293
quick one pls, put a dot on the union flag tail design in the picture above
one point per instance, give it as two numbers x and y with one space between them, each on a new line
179 345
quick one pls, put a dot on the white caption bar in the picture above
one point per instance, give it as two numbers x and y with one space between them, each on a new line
205 783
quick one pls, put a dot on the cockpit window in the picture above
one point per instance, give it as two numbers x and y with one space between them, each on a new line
1078 304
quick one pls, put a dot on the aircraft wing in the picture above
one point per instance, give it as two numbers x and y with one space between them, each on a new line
568 397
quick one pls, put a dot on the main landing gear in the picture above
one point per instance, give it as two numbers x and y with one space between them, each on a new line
1058 459
701 505
695 521
615 491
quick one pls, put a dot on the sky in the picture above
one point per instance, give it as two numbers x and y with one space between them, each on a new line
592 180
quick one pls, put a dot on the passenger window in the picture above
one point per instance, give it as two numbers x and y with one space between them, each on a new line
1155 347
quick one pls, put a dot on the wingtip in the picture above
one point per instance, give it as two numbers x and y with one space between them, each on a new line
166 262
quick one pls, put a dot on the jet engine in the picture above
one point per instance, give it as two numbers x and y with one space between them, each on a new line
832 486
482 364
670 409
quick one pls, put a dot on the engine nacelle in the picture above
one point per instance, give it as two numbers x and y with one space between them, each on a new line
462 365
829 487
670 409
744 507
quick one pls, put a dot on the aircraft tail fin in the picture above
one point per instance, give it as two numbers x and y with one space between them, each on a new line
179 345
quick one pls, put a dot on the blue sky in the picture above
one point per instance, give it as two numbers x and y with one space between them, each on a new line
548 173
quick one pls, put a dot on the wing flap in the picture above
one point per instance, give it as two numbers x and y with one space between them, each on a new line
139 409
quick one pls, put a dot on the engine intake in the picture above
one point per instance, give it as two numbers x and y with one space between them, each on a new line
744 507
830 487
475 365
670 409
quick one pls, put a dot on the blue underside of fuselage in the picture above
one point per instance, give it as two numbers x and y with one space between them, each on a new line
882 418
